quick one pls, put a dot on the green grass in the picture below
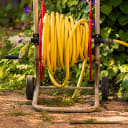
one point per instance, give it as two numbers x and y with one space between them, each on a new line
57 101
21 93
45 116
26 103
89 121
18 112
98 110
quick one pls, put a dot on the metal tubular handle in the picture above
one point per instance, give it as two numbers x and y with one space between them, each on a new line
11 57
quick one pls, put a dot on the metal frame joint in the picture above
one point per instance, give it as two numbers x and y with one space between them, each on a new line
98 40
35 39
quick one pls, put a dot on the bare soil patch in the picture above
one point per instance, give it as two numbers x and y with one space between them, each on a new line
17 112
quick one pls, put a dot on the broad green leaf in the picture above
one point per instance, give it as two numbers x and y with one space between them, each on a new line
59 6
125 81
115 3
124 7
125 96
115 46
105 32
87 8
108 61
113 70
24 17
120 77
102 19
124 68
123 20
51 7
79 15
114 15
85 16
105 49
106 9
64 2
78 74
31 52
1 73
123 35
72 2
104 73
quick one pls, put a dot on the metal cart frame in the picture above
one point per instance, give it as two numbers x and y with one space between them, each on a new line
37 71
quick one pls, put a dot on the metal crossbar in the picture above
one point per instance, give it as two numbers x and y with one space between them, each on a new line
71 88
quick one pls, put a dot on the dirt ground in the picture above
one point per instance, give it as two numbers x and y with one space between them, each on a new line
17 112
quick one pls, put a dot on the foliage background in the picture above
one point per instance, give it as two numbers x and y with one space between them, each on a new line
114 59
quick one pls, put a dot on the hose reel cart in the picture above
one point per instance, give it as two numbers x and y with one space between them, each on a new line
55 46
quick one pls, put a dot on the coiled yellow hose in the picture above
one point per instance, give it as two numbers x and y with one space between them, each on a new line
65 41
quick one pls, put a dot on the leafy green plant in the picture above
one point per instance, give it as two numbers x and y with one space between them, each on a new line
114 57
18 112
16 17
114 60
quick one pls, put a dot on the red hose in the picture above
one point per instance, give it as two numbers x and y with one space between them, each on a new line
42 13
90 41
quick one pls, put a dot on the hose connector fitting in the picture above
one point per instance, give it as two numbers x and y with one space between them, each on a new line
35 39
98 40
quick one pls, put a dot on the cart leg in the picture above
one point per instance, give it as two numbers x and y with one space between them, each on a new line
36 31
97 52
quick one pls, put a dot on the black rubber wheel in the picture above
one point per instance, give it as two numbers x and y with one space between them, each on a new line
104 87
30 86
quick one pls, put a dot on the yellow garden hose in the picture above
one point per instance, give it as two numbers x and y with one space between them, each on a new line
65 41
121 42
24 48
